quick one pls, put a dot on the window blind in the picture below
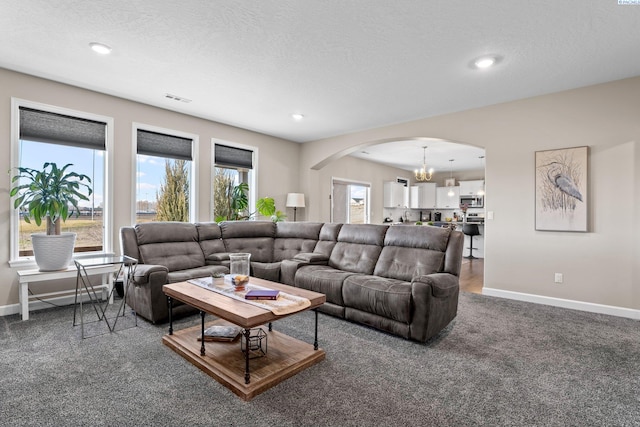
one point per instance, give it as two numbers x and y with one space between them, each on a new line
226 156
54 128
162 145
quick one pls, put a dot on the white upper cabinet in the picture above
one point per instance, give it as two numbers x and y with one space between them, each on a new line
396 195
423 195
471 188
444 201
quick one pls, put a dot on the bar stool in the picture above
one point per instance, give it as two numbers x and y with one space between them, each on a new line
470 230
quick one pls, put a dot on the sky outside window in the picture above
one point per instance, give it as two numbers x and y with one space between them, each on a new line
85 161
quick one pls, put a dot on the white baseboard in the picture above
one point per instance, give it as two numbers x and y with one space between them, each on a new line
34 304
564 303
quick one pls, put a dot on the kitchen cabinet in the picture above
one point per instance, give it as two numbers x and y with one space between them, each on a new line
423 196
472 188
444 201
395 195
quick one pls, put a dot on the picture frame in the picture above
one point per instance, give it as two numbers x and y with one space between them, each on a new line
561 193
450 182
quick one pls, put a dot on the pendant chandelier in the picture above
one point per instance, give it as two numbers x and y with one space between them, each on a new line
423 174
451 193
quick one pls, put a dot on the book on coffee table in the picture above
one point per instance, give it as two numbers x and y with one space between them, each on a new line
264 294
221 333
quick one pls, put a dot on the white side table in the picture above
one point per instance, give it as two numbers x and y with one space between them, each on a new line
30 276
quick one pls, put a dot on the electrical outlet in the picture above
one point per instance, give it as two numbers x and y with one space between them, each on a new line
558 278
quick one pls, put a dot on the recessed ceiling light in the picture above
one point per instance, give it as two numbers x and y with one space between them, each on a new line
485 61
297 116
100 48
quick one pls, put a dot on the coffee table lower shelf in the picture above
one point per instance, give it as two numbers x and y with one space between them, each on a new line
224 361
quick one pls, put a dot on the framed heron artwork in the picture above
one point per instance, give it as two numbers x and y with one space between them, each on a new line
561 189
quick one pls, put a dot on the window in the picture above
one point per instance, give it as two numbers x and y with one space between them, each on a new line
164 175
350 202
43 133
233 165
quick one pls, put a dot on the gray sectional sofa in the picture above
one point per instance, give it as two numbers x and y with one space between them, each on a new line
400 279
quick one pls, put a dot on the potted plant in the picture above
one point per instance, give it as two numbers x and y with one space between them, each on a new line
51 194
238 202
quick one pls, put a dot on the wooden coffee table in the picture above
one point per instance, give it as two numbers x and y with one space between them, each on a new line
225 361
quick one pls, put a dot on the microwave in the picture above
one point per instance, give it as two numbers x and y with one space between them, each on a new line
472 201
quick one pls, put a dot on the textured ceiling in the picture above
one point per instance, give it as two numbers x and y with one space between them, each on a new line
346 65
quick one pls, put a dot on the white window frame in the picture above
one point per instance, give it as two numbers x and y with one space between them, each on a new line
193 182
15 259
350 182
253 175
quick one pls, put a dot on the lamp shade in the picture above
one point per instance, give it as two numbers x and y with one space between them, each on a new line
295 200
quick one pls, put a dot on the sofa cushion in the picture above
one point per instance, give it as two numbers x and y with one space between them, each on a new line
266 270
293 238
288 248
210 238
175 246
328 238
412 251
389 298
323 279
254 237
358 248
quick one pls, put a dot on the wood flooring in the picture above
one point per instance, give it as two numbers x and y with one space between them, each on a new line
472 275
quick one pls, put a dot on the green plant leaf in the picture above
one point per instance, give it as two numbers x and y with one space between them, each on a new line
266 206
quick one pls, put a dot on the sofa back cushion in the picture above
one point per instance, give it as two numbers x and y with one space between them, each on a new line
328 238
172 244
210 238
358 247
254 237
410 251
293 238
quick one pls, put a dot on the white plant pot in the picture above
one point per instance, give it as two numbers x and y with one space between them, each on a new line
53 252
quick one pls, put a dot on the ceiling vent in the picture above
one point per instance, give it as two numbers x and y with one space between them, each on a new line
177 98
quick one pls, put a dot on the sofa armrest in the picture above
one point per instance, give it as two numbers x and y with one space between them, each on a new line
312 258
143 273
217 258
289 267
442 284
435 298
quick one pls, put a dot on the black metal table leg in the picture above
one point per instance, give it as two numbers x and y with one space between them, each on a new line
315 340
202 313
270 327
75 301
247 376
170 302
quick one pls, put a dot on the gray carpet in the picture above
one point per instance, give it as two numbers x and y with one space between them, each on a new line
500 363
